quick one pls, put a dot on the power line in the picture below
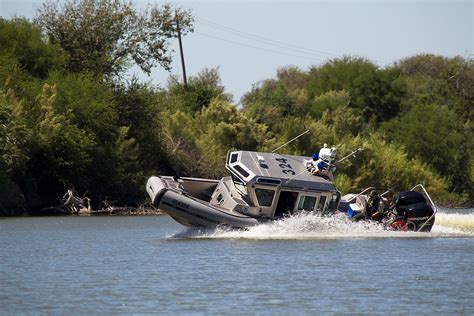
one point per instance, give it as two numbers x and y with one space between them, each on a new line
298 49
268 41
259 48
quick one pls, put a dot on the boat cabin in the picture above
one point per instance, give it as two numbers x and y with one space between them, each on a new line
272 184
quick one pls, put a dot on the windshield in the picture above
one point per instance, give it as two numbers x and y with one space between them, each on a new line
239 185
334 201
306 203
264 196
322 204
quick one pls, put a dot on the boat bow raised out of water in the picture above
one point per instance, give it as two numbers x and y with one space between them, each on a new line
263 187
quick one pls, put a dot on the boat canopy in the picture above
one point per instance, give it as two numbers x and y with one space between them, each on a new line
275 169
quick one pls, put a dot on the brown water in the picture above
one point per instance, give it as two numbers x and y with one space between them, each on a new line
306 265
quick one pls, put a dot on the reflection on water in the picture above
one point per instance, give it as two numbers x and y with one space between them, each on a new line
302 265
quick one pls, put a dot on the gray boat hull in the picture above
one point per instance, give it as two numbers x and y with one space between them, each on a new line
190 211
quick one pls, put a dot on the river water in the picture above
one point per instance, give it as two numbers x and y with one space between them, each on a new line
302 265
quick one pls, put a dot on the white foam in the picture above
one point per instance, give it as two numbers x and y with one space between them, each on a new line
310 226
454 222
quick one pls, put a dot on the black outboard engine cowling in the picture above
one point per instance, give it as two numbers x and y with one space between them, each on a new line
412 208
407 198
418 214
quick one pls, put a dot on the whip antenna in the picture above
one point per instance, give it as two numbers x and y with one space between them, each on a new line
290 141
352 154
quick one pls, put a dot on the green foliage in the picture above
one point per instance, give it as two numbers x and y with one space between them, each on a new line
330 100
200 91
343 183
223 128
104 36
199 143
276 106
344 121
423 89
374 92
138 107
451 79
12 133
25 59
292 77
272 99
64 125
433 132
385 165
62 152
179 141
388 165
95 110
127 176
21 41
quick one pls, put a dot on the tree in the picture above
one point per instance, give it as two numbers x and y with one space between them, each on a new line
221 128
329 100
434 133
451 79
21 41
103 36
375 92
200 91
269 102
138 107
293 77
344 121
26 59
13 136
62 154
88 104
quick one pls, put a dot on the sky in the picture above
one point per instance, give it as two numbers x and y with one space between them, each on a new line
250 40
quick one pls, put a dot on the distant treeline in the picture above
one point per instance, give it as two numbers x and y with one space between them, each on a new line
68 119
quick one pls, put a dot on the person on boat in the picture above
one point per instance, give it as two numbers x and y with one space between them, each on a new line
373 210
319 166
311 164
323 165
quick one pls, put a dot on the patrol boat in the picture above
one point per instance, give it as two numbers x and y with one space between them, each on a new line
261 187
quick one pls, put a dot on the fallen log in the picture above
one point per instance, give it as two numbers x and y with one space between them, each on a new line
71 204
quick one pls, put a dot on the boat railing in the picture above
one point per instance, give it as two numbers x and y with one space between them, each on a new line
369 189
433 205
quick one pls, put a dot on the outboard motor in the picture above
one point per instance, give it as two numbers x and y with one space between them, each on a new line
414 210
407 198
418 214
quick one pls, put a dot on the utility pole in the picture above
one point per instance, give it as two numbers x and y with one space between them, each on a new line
182 55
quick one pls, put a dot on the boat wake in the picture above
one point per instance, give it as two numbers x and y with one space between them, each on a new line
457 222
310 226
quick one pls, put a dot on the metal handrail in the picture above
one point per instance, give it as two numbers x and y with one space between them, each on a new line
367 189
433 205
360 193
425 193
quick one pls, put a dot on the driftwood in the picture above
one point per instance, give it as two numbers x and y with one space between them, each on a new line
76 205
144 209
82 206
72 204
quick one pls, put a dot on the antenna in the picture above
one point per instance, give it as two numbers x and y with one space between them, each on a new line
290 141
352 154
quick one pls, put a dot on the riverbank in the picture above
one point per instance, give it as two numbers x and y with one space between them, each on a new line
58 211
